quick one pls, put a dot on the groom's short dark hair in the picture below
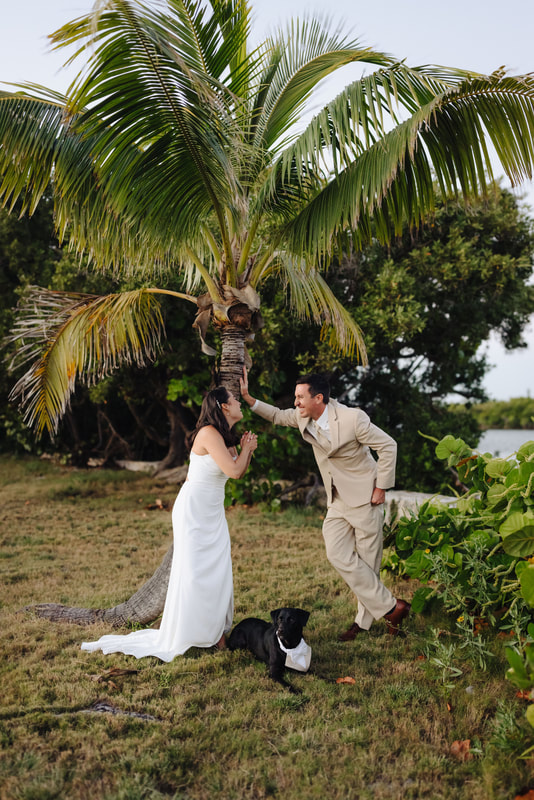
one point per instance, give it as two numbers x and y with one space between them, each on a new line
319 384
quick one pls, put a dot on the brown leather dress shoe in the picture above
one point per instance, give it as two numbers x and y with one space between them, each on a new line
351 633
394 618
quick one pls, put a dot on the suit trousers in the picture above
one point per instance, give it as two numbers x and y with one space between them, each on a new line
354 541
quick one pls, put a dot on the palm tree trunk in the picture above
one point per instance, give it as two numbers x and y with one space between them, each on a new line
232 357
142 607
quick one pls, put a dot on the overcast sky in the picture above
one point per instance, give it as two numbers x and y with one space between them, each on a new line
482 35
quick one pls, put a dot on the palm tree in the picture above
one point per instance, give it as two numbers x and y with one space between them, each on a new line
178 149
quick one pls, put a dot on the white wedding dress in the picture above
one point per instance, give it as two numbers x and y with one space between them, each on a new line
199 605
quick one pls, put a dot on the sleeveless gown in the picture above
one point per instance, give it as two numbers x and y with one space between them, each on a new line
200 601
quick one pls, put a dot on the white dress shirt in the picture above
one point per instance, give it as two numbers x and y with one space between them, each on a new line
321 423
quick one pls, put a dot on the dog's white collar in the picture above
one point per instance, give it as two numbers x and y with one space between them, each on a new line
298 657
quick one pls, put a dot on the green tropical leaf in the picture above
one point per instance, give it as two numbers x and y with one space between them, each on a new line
526 451
518 534
526 579
452 450
497 494
526 470
515 659
498 467
311 298
418 564
529 714
515 522
421 599
517 674
512 478
520 566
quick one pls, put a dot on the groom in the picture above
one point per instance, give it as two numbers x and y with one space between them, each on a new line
355 489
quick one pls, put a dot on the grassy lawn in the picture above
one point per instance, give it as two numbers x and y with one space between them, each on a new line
212 723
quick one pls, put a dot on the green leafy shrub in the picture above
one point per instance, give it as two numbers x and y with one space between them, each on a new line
474 553
515 413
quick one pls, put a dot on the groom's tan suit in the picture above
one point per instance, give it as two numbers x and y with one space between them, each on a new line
353 527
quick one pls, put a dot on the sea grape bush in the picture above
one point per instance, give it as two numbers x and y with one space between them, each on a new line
475 553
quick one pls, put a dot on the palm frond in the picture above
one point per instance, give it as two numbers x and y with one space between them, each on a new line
69 336
362 114
30 129
346 129
310 298
154 56
222 40
40 144
298 62
391 182
498 108
168 162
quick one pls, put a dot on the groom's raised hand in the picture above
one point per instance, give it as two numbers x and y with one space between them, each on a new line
243 386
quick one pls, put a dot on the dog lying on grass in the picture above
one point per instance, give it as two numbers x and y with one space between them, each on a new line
279 644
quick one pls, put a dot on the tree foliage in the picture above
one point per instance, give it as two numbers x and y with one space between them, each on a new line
516 413
29 252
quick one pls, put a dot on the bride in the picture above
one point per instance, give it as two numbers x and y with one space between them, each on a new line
199 605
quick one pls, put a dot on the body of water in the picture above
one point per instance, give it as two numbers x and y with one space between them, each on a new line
503 442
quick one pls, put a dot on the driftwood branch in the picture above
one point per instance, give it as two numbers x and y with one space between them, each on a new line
312 481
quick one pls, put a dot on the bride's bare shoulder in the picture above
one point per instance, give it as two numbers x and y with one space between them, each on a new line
205 439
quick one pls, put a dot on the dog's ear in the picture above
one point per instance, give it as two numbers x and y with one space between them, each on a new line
274 614
303 616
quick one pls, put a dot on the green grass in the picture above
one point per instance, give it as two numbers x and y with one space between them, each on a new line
218 725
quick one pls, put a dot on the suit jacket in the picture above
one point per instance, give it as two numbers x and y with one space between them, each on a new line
345 463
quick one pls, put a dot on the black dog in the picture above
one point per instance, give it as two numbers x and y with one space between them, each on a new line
260 638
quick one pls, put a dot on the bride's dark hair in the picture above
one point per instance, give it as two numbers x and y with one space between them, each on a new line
211 413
